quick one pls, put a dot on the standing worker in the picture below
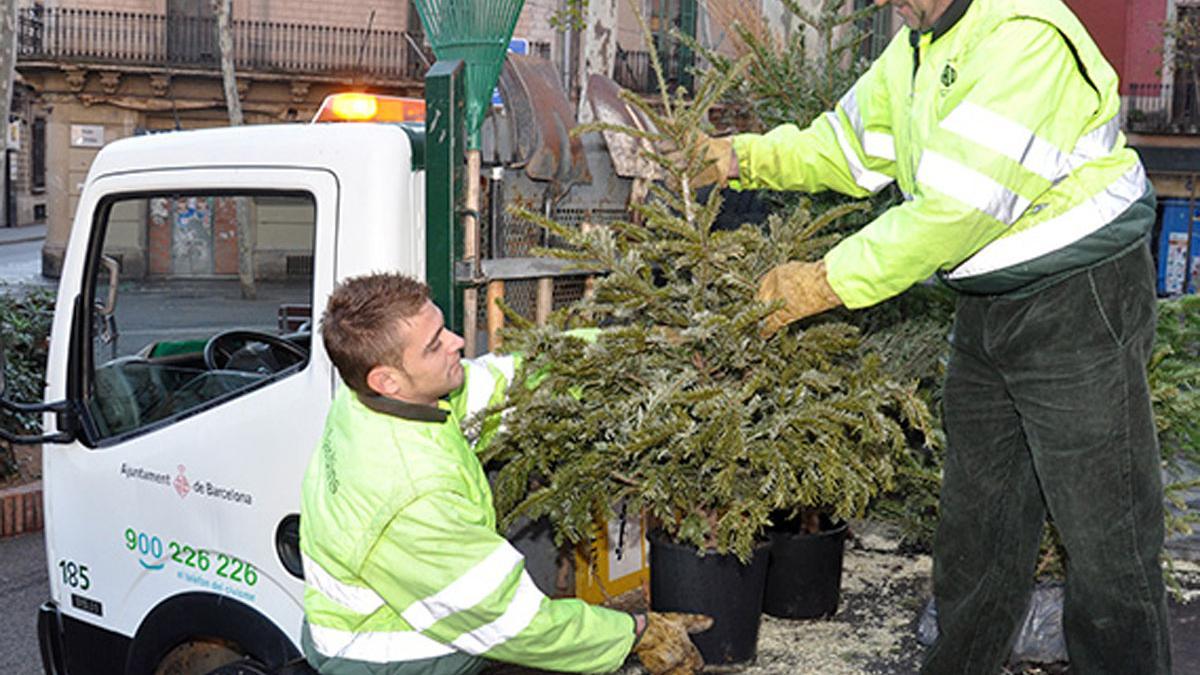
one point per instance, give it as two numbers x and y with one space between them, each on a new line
404 571
998 119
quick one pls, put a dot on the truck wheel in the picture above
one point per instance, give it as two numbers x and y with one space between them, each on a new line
197 633
198 657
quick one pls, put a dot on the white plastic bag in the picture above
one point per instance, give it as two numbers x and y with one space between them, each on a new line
1040 639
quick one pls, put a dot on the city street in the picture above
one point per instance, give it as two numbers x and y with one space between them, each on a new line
21 256
21 263
23 588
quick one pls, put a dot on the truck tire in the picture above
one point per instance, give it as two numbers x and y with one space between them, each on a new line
199 657
199 632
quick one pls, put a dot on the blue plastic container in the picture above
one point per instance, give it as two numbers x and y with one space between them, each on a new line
1178 268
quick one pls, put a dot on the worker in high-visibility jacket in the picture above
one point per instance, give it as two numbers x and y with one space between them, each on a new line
999 122
404 571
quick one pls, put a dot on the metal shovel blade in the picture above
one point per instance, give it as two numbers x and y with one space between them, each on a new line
604 95
542 119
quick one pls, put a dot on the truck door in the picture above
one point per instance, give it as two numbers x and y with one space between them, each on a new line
199 391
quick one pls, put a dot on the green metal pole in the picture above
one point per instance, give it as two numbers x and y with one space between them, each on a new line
445 134
687 26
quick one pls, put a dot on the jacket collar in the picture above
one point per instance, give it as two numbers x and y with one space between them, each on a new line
949 19
403 409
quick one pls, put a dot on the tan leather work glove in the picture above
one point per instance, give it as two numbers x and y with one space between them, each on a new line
718 152
665 648
804 289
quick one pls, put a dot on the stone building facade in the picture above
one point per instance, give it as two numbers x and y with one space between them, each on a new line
93 71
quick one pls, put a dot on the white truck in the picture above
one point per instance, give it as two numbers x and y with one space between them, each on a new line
187 384
179 415
188 415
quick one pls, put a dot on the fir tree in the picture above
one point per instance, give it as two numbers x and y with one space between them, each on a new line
676 405
1174 378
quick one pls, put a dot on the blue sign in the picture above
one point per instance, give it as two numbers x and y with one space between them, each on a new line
515 46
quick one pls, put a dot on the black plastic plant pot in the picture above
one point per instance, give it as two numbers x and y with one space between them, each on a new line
681 580
804 577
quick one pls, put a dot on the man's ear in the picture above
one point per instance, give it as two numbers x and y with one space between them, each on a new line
385 381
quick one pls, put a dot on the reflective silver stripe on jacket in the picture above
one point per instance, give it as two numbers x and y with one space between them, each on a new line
389 647
358 599
471 588
970 187
1020 144
868 180
879 145
1097 143
521 610
1060 232
849 104
874 143
467 591
1006 137
483 373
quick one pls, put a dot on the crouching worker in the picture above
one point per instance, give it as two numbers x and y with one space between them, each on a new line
404 570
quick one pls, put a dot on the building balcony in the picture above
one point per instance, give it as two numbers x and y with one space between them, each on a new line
76 35
1162 109
634 71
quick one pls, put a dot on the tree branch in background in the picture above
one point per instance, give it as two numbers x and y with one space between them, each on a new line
247 235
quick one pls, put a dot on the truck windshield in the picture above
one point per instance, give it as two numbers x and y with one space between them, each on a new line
196 299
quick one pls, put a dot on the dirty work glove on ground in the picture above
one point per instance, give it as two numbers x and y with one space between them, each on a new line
804 289
665 648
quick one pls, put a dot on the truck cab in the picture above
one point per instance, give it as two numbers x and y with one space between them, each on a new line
186 380
187 387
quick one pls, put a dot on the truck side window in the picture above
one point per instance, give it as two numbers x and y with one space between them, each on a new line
196 300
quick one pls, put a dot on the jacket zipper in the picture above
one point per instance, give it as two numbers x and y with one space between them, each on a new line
919 51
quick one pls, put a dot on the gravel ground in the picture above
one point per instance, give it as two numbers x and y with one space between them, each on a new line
874 630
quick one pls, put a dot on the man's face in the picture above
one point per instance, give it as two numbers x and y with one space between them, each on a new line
432 356
918 14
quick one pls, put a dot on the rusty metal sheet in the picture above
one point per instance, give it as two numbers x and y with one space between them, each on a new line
542 118
626 151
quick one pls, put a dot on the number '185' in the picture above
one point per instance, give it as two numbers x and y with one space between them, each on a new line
74 574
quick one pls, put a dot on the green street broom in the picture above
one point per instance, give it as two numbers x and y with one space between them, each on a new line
478 33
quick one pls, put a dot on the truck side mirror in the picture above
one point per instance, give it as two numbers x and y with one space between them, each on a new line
114 277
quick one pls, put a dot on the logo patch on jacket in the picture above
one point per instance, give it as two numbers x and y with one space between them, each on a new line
949 75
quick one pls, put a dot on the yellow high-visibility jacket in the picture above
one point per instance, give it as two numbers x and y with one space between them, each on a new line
1000 126
404 570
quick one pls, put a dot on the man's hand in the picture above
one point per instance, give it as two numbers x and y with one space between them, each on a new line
718 155
665 648
804 289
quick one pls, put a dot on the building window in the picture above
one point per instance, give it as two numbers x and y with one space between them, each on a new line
192 32
413 25
540 49
37 155
877 28
1185 104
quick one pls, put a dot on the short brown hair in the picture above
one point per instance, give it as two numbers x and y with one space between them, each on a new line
359 324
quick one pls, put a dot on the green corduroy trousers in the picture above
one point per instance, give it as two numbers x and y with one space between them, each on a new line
1047 410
